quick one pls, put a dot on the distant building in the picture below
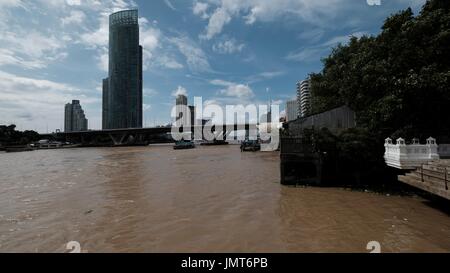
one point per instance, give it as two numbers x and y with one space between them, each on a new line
122 90
292 112
181 107
304 98
192 111
74 117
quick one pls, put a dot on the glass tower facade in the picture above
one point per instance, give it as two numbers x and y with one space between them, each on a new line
122 90
105 105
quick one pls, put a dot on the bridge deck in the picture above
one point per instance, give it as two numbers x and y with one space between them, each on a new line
141 136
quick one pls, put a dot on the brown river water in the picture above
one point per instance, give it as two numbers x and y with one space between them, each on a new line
210 199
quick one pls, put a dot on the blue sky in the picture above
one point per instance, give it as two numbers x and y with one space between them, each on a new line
226 51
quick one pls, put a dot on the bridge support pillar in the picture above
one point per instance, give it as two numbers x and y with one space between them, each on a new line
117 141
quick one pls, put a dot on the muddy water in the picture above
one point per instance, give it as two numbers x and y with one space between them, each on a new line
211 199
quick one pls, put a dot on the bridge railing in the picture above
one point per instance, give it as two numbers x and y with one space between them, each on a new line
410 156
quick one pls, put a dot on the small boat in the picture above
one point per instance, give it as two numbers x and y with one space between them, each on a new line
250 145
183 145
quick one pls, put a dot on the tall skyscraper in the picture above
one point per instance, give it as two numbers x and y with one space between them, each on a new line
74 118
292 110
304 98
192 112
122 90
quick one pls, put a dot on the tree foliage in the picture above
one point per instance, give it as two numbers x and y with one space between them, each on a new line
9 136
397 81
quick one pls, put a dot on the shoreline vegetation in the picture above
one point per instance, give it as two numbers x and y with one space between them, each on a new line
397 82
10 137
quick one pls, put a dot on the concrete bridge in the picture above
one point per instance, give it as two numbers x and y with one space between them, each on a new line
142 136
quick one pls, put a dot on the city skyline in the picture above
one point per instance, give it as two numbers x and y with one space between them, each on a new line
243 57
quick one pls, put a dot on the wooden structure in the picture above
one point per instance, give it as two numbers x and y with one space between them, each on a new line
433 177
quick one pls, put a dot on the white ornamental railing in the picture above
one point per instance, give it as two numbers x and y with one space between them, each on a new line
411 156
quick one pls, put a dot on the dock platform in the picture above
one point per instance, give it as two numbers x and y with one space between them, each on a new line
433 177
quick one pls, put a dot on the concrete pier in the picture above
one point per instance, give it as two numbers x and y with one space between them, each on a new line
432 177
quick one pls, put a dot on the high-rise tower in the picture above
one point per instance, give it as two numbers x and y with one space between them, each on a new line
122 90
304 98
74 118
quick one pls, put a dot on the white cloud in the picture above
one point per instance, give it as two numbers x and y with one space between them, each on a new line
317 12
238 91
147 107
98 37
221 82
11 3
33 102
228 47
75 17
149 92
307 54
8 80
217 21
267 75
9 57
180 91
271 74
196 58
32 44
314 53
30 49
169 4
201 9
149 40
73 2
103 60
169 62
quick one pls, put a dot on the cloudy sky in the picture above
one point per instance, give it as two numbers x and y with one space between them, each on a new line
226 51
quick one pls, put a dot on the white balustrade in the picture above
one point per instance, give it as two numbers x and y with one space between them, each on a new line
409 157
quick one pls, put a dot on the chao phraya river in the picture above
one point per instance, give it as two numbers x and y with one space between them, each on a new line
210 199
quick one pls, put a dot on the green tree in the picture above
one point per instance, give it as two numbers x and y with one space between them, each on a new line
397 81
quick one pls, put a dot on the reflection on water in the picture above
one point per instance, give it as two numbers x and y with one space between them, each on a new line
211 199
